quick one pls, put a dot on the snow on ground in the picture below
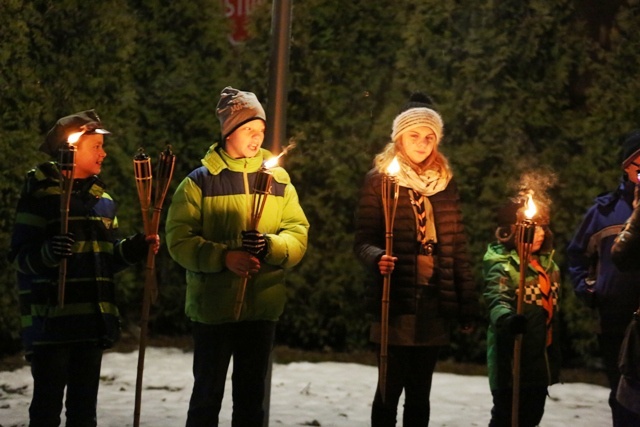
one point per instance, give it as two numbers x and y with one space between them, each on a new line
326 394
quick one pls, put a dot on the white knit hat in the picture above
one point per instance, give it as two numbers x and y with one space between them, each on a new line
417 112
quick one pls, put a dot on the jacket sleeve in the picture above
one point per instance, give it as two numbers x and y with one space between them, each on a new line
626 247
583 258
28 251
184 234
369 245
288 246
466 286
499 291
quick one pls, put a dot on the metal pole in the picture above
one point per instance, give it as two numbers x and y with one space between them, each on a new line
277 110
278 73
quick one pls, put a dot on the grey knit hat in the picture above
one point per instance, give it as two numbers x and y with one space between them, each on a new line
84 121
236 108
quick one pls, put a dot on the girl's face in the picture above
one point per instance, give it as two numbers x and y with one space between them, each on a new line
245 141
538 239
418 143
89 156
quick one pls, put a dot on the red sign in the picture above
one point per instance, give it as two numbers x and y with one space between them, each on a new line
237 11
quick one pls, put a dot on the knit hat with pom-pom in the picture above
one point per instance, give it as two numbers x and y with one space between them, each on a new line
417 112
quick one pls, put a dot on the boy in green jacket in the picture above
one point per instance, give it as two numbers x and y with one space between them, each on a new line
208 233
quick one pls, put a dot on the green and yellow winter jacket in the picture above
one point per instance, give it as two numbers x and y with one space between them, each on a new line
540 364
208 212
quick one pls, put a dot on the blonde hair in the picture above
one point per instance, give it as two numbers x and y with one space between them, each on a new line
435 161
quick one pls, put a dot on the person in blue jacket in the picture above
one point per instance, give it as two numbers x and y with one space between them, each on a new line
64 340
596 279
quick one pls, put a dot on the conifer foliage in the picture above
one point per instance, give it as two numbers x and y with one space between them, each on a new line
521 85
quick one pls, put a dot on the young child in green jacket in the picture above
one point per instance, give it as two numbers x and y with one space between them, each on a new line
538 323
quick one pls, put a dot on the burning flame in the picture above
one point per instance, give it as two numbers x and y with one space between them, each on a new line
530 207
273 162
74 137
394 167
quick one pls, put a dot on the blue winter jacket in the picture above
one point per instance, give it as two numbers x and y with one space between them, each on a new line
89 312
595 278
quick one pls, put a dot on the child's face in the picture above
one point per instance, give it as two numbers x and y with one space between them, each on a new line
419 143
245 141
89 156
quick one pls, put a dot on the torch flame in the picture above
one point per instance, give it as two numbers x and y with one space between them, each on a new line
530 207
74 137
394 167
273 162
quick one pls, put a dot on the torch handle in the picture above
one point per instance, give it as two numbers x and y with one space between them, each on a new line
261 191
524 240
65 199
143 179
389 204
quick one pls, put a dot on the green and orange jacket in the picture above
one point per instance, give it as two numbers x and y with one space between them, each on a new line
540 364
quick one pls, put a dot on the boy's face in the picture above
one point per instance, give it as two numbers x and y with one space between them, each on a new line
89 156
245 141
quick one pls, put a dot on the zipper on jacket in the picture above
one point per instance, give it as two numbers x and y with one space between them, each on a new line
247 192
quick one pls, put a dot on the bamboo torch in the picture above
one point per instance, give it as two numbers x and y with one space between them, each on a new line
67 165
524 236
389 204
261 190
144 178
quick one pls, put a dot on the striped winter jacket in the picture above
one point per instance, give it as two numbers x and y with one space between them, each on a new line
452 282
89 313
208 212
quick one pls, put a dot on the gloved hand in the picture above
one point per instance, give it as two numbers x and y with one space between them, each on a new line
516 323
58 247
254 242
134 248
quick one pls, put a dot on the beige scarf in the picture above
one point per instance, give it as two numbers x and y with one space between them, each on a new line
427 183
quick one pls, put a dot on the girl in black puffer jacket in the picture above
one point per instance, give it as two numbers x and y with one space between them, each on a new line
431 280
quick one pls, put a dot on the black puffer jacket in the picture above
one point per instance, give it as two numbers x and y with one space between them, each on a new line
452 281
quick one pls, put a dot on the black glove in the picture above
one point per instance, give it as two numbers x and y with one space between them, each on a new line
516 323
58 247
254 242
135 248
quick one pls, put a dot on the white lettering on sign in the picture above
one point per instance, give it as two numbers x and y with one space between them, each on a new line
239 7
237 11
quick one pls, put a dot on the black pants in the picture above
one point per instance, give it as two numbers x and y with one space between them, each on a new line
610 348
409 369
250 344
74 366
530 407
